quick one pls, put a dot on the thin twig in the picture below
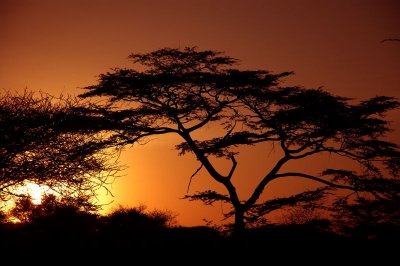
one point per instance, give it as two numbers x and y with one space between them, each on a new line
190 180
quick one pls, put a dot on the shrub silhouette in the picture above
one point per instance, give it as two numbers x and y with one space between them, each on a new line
139 217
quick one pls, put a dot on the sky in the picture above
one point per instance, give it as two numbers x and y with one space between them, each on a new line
61 46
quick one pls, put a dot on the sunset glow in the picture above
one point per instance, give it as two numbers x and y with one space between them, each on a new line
59 47
35 191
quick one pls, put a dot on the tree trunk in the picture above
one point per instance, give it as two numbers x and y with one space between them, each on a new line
239 225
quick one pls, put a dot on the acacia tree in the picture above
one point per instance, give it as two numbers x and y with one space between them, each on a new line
182 91
51 142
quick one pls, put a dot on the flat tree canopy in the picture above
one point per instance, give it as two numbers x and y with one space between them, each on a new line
175 91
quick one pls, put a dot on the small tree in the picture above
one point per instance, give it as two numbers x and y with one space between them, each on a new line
182 91
51 142
51 206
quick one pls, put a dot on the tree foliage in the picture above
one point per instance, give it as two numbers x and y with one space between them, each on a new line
51 142
62 209
371 216
183 91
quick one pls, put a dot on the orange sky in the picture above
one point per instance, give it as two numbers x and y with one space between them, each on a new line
60 46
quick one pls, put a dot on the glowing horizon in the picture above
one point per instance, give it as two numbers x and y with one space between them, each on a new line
61 46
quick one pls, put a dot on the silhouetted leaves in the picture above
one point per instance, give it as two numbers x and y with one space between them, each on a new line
208 197
49 142
369 217
309 198
183 91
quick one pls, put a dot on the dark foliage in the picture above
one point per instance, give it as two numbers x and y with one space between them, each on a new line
51 142
182 91
71 234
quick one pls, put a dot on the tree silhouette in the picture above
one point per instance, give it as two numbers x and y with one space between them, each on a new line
371 217
51 209
182 91
43 141
139 219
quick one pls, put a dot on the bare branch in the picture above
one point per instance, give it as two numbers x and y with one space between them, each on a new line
234 164
190 180
294 174
261 186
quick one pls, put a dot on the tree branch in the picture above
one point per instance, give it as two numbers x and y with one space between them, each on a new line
234 164
130 140
190 180
204 122
269 177
305 154
315 179
201 156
